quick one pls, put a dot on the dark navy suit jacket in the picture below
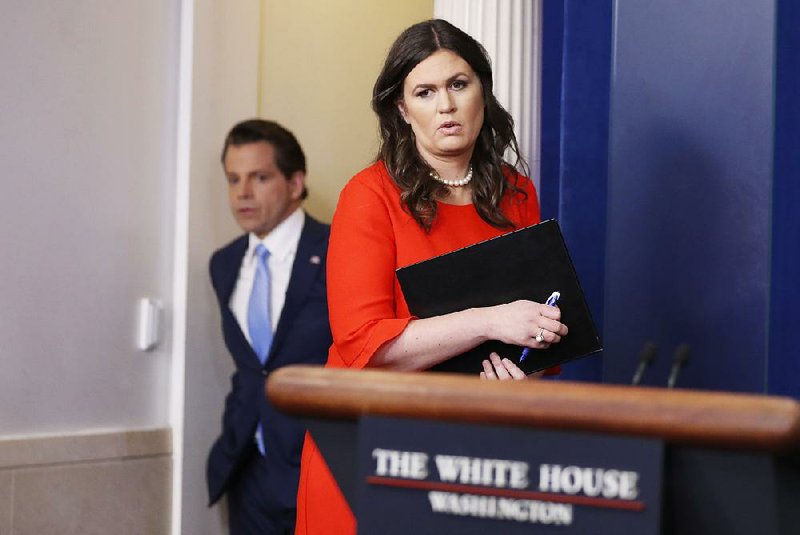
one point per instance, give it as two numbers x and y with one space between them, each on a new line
302 336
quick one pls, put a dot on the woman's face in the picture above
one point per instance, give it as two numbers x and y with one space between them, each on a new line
443 103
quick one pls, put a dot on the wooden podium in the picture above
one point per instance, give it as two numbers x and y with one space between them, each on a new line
730 462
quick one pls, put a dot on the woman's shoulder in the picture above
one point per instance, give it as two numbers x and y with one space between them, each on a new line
369 196
372 174
372 180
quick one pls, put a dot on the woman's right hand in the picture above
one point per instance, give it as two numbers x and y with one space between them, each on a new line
427 342
519 323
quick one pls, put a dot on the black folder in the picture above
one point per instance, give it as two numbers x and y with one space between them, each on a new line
529 263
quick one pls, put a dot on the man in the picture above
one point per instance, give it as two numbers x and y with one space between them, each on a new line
270 284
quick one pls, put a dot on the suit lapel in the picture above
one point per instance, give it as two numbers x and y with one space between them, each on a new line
307 263
230 264
227 274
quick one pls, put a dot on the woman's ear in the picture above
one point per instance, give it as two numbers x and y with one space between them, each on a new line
401 107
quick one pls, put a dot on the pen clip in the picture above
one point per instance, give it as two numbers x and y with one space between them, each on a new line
553 299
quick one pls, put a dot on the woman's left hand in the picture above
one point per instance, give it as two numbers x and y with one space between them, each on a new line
503 369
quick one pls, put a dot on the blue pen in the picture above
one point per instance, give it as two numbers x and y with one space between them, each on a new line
551 302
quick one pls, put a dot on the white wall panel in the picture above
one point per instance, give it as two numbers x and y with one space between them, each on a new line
87 149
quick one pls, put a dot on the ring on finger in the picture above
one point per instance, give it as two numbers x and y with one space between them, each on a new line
540 337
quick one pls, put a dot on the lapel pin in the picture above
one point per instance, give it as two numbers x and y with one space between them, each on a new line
315 259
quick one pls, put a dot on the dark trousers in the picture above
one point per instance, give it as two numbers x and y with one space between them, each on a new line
249 510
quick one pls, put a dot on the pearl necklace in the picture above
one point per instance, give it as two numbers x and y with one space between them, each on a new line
453 183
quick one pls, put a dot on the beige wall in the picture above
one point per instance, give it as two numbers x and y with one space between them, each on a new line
319 62
224 90
86 484
325 104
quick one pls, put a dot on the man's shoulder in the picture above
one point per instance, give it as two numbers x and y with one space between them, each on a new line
316 227
232 251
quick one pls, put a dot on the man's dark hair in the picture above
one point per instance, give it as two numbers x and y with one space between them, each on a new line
398 149
289 155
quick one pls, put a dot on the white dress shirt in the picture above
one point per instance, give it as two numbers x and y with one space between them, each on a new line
282 246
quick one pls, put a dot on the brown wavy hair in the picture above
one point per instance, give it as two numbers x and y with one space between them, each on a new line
398 149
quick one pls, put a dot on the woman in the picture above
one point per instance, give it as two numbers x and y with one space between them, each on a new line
439 184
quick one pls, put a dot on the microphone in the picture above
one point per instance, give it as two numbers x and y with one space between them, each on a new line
678 362
645 359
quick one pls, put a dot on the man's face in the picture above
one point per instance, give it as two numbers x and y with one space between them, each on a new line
260 195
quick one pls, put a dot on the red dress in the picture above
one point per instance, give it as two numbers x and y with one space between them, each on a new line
371 236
